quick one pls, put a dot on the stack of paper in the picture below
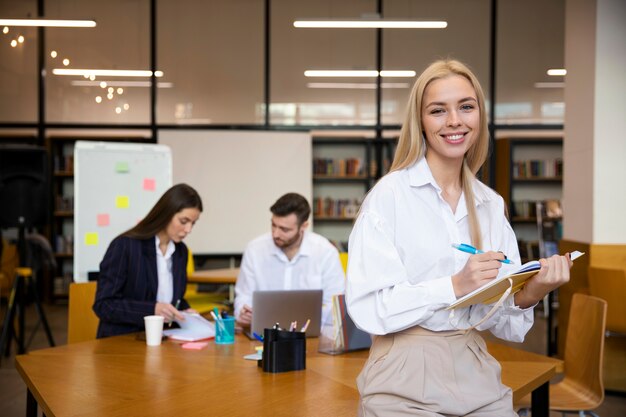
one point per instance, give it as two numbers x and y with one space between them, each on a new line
194 327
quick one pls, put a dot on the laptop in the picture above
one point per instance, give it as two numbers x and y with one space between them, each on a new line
284 307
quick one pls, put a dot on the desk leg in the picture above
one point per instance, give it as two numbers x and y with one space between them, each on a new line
540 401
31 404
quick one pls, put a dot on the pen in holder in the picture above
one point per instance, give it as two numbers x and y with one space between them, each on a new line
283 351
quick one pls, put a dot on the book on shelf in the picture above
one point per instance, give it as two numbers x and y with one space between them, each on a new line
349 167
493 290
535 168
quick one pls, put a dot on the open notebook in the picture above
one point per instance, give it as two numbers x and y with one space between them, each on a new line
491 292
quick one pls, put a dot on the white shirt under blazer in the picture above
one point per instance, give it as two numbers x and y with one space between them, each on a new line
401 260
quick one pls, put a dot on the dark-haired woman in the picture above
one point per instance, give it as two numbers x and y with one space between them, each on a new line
144 269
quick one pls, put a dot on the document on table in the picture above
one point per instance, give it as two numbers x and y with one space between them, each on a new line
194 327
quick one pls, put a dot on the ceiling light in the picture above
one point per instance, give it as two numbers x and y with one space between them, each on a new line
53 54
357 86
20 39
120 90
550 85
49 23
98 99
370 23
106 73
557 71
66 62
81 83
358 73
5 30
13 43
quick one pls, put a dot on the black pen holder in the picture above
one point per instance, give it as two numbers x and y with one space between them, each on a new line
283 351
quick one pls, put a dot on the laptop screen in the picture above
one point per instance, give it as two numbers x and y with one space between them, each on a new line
285 307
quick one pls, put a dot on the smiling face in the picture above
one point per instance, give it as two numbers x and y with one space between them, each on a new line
450 119
181 224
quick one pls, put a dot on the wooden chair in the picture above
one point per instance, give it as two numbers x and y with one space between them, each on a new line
82 322
581 389
610 285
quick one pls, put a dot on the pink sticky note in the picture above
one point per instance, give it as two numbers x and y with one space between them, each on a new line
195 345
149 184
103 220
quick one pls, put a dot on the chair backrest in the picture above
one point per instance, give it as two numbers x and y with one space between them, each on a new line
584 346
82 322
610 285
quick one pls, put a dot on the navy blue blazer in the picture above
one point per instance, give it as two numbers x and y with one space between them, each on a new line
128 283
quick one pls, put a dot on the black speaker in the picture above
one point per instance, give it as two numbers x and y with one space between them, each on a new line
24 186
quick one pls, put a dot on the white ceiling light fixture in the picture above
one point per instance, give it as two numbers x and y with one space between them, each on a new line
557 72
550 85
48 23
356 86
81 83
358 73
369 24
106 73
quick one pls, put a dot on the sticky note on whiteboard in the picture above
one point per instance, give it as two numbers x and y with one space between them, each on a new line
91 239
122 201
121 167
149 184
103 220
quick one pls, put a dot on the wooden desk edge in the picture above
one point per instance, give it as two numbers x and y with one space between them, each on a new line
30 386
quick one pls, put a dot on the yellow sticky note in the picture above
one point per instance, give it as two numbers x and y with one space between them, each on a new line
91 239
122 201
121 167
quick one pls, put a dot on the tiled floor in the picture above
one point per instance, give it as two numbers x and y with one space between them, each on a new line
13 390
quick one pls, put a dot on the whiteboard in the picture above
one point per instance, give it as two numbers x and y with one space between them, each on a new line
115 186
239 175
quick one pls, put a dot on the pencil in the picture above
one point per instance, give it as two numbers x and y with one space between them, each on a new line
176 307
306 325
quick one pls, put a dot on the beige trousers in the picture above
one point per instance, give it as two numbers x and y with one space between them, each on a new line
417 372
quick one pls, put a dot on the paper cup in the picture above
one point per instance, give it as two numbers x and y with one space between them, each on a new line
154 330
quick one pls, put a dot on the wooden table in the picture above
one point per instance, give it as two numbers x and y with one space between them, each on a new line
217 276
121 376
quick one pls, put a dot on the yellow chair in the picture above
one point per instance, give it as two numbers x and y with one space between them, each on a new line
610 285
202 302
581 389
82 322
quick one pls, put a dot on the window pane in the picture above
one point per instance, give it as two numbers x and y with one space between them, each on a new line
18 64
299 100
212 53
531 39
466 38
120 41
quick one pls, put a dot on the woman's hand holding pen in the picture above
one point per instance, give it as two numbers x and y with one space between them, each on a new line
168 311
554 272
478 270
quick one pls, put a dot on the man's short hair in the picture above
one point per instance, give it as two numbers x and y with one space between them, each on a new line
292 203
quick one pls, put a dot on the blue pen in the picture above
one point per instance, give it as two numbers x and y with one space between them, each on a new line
257 336
464 247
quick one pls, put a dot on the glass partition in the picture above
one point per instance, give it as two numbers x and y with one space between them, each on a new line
300 100
120 41
212 53
18 64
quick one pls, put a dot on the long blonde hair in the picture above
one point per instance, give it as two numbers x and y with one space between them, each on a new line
412 147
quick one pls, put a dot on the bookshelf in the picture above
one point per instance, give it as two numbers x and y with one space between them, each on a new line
529 175
344 169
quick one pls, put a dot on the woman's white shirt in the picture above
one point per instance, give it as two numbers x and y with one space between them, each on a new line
165 291
401 260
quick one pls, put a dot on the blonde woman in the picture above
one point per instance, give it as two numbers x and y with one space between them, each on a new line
403 271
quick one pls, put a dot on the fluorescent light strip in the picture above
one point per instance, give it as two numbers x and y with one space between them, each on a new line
360 73
106 73
367 24
557 71
49 23
86 83
550 85
356 86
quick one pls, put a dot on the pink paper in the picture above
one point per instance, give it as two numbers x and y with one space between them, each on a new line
103 220
149 184
195 345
